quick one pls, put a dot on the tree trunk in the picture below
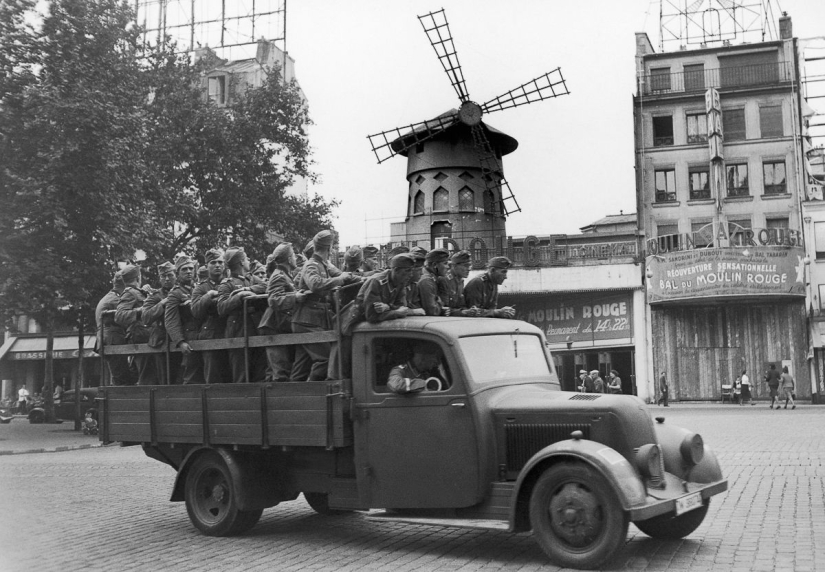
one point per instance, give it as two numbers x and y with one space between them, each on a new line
81 344
48 385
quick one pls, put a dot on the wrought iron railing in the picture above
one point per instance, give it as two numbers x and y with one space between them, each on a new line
721 78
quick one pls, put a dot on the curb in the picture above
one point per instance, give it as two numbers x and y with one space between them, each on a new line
60 449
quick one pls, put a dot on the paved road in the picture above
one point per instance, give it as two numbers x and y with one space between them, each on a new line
106 509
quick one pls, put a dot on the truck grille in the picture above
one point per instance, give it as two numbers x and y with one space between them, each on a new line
526 439
584 397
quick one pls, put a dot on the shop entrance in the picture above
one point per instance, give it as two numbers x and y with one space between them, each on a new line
568 365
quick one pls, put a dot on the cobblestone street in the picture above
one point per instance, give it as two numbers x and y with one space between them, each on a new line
107 509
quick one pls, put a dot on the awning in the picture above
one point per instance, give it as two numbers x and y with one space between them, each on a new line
34 347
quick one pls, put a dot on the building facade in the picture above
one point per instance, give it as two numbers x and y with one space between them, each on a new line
719 187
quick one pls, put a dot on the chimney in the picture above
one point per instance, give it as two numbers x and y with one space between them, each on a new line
785 28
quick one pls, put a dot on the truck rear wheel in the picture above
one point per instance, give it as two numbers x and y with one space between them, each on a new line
668 527
211 501
320 504
576 518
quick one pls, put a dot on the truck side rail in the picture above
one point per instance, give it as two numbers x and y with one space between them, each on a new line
230 343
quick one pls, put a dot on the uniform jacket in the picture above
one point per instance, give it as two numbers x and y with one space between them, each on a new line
319 277
205 311
232 306
413 295
281 303
483 293
428 294
153 317
451 292
181 324
379 288
406 379
128 315
108 331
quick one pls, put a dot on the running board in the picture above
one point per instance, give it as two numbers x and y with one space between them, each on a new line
476 523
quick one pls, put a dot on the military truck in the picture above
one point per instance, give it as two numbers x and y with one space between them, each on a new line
495 444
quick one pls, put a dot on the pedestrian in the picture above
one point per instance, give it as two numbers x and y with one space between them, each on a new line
737 390
586 385
663 390
788 388
482 291
614 385
22 400
598 382
772 379
746 389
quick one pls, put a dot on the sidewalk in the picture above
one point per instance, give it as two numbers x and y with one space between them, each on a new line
20 436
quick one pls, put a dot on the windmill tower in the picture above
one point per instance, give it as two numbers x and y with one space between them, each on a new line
455 173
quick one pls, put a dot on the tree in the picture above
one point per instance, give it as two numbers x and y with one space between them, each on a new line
72 136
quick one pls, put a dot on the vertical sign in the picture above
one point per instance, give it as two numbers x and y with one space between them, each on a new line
713 108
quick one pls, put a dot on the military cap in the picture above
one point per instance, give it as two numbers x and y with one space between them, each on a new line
282 252
499 262
233 256
323 238
300 260
418 253
183 260
403 260
256 266
213 254
369 251
309 249
165 267
354 253
130 273
437 255
117 279
461 257
203 273
400 249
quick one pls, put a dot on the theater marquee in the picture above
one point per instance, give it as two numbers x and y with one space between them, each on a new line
725 273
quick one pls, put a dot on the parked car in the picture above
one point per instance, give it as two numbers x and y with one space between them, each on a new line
65 409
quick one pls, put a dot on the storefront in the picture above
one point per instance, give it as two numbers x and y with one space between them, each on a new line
715 312
23 362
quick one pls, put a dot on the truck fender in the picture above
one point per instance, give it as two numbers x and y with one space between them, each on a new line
621 475
671 439
249 479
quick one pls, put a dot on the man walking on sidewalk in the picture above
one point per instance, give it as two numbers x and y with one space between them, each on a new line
663 389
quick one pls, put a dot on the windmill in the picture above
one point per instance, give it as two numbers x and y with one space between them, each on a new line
464 125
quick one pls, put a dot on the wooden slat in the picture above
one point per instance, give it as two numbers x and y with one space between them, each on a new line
230 343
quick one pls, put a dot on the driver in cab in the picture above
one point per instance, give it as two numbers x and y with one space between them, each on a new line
419 373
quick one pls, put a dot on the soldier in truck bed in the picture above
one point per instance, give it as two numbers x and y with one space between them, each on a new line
212 325
181 325
482 291
111 334
128 315
153 318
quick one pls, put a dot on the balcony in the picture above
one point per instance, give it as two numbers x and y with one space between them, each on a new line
721 78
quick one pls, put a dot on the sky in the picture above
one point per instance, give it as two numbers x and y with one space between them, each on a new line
367 66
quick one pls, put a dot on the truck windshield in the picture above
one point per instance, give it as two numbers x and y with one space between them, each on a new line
505 357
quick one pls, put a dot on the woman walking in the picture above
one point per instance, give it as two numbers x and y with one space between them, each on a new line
746 389
787 387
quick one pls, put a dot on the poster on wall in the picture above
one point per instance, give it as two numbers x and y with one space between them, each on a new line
724 273
581 317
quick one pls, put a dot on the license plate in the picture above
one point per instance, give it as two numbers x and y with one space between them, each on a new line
688 502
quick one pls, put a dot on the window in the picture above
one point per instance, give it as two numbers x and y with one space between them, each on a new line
665 186
737 177
660 79
466 200
777 228
776 222
702 233
217 89
418 203
697 128
503 358
695 77
740 232
490 205
668 236
770 121
749 69
441 200
773 173
662 131
392 352
699 183
733 124
819 239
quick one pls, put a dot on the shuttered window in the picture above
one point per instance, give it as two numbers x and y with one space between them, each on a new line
733 124
770 121
694 77
749 69
660 79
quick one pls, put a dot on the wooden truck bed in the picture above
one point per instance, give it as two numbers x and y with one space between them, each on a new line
313 414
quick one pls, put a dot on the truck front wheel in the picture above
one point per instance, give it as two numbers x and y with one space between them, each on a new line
667 527
211 501
576 518
320 504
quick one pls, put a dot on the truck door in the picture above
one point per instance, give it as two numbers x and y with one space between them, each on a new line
413 450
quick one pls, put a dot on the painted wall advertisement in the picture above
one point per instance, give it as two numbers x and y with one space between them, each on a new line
581 317
726 273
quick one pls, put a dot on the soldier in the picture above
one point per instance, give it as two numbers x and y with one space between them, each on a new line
353 259
203 274
435 269
369 264
282 300
212 325
414 375
395 251
231 294
180 322
128 315
451 286
482 291
420 256
318 277
257 273
153 318
111 334
383 296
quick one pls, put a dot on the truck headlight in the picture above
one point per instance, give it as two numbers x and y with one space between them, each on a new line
692 449
650 464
